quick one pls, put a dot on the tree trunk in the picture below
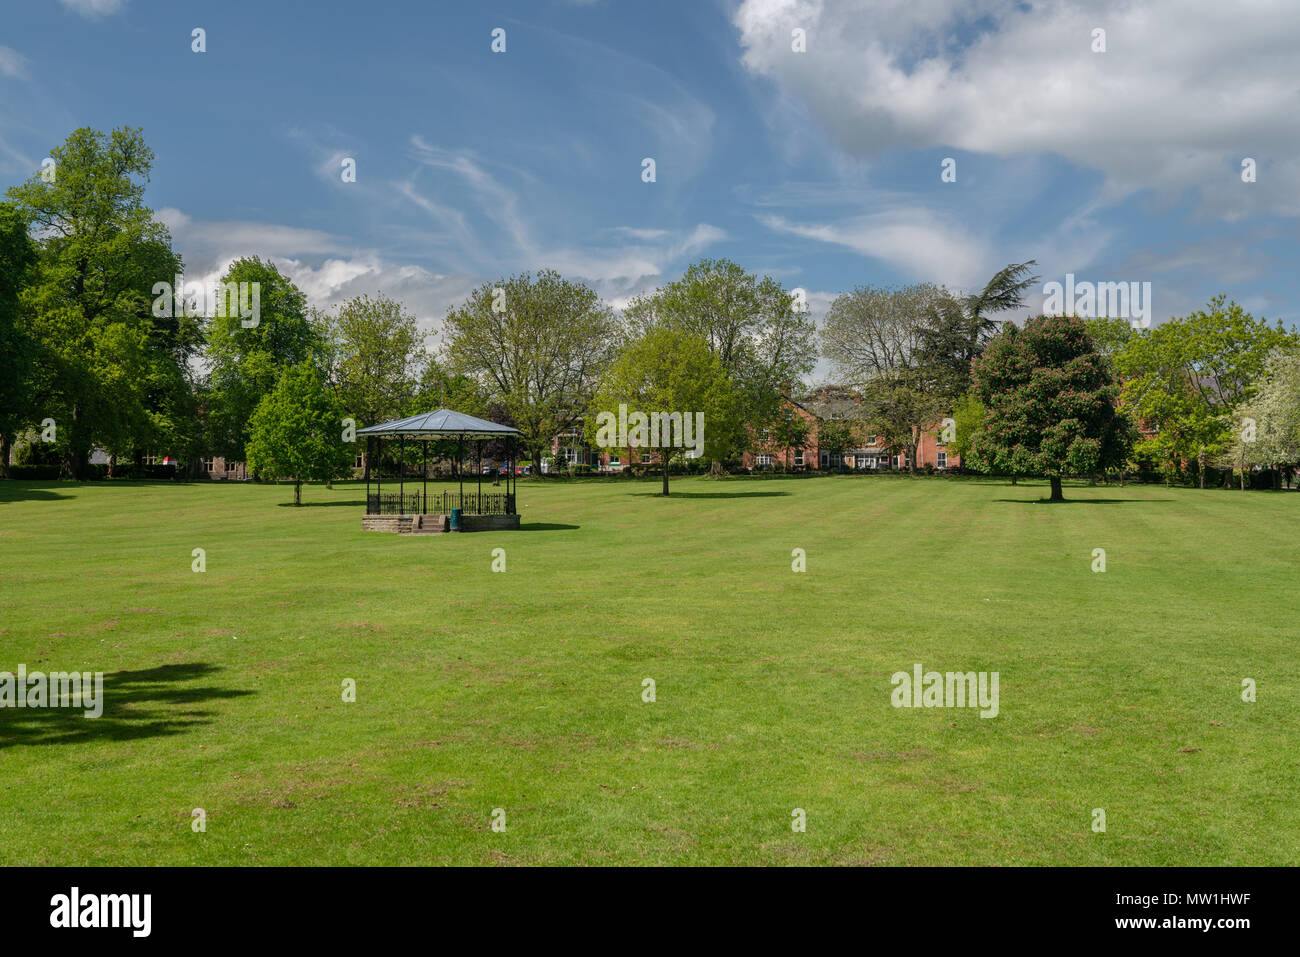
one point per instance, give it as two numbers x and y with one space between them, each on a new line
1057 496
297 492
665 460
1200 469
68 465
1014 479
6 443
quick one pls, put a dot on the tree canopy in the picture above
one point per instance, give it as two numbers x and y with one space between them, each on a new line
1049 403
665 371
106 371
296 432
535 345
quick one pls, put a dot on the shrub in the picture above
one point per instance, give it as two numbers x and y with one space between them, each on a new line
33 473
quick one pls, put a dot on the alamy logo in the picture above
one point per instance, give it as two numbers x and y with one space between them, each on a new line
134 911
658 430
1099 300
243 299
58 689
952 689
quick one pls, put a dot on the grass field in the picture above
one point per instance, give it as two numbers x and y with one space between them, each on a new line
523 691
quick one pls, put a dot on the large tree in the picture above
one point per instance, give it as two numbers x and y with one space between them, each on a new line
107 374
764 337
665 371
536 346
17 257
377 352
296 432
1267 426
957 328
1049 403
1186 377
247 356
874 338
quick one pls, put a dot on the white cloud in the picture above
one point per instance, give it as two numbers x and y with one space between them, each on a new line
94 8
1185 89
12 63
912 240
212 240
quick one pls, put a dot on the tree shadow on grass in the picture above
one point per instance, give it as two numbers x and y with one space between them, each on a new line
675 494
351 503
546 527
1082 501
137 704
24 492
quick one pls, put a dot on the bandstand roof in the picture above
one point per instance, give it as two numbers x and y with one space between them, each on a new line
442 423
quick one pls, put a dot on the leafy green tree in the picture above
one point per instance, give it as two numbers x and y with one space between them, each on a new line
17 257
663 371
968 423
378 351
1050 403
296 432
1187 376
1111 335
836 437
956 330
106 373
246 357
535 345
789 432
875 340
1267 427
765 340
441 388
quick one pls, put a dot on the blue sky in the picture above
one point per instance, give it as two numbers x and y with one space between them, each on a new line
821 168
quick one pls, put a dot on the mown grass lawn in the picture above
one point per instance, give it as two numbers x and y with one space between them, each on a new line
523 690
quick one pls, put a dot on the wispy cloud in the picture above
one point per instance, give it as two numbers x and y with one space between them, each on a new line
94 9
12 63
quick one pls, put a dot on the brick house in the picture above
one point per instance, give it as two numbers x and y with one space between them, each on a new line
868 453
823 405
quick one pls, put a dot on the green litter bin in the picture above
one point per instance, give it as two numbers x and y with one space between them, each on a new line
455 520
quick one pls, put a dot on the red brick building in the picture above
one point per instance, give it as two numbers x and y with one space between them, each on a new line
866 451
828 404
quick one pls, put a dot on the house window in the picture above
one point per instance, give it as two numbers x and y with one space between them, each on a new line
360 463
798 460
943 460
208 465
615 461
570 455
765 461
645 458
